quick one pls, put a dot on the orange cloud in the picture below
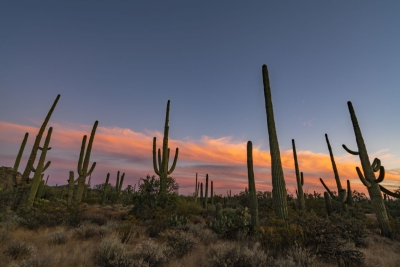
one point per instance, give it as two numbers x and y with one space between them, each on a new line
223 159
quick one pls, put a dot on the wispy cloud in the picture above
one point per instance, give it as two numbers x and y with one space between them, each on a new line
222 158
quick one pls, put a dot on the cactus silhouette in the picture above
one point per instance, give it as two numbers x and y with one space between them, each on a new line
83 164
252 186
17 161
105 189
278 182
342 196
368 178
162 169
300 180
39 169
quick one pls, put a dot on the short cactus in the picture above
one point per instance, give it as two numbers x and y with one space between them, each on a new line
300 180
105 189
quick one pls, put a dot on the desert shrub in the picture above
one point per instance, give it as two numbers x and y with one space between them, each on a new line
4 236
94 218
151 253
231 223
298 257
112 253
85 231
58 237
126 232
206 235
180 242
231 254
18 248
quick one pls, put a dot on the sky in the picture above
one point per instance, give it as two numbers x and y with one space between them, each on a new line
119 62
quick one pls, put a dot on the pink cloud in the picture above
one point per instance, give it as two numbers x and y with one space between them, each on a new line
223 159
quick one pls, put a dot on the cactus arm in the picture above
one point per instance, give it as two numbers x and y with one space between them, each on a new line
30 165
46 166
376 165
80 162
89 147
355 153
392 194
155 157
18 160
327 189
381 175
92 168
335 171
174 163
361 176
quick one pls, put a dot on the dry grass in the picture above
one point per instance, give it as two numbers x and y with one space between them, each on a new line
79 250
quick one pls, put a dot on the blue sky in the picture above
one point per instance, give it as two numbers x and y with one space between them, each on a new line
120 61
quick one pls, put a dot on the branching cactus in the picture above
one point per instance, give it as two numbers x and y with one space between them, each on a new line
368 178
162 169
252 186
41 167
300 180
342 196
105 189
32 157
278 181
83 164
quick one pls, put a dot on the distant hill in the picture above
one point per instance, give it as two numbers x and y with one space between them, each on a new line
5 177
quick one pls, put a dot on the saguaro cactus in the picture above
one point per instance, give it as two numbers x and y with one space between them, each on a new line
212 193
368 178
206 193
119 185
328 203
196 191
252 186
71 184
278 181
83 164
103 200
39 169
162 169
17 161
300 180
342 196
32 157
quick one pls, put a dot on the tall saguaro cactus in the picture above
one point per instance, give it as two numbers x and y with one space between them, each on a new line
162 169
32 157
368 178
278 182
252 186
342 196
41 167
17 161
300 180
206 193
83 164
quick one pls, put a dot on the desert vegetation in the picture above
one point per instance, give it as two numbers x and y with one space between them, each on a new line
150 224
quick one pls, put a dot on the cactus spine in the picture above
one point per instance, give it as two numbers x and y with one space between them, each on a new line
39 169
83 164
162 169
252 186
368 178
300 180
103 200
341 192
278 181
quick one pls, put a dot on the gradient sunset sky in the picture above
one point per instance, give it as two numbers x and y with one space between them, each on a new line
119 62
